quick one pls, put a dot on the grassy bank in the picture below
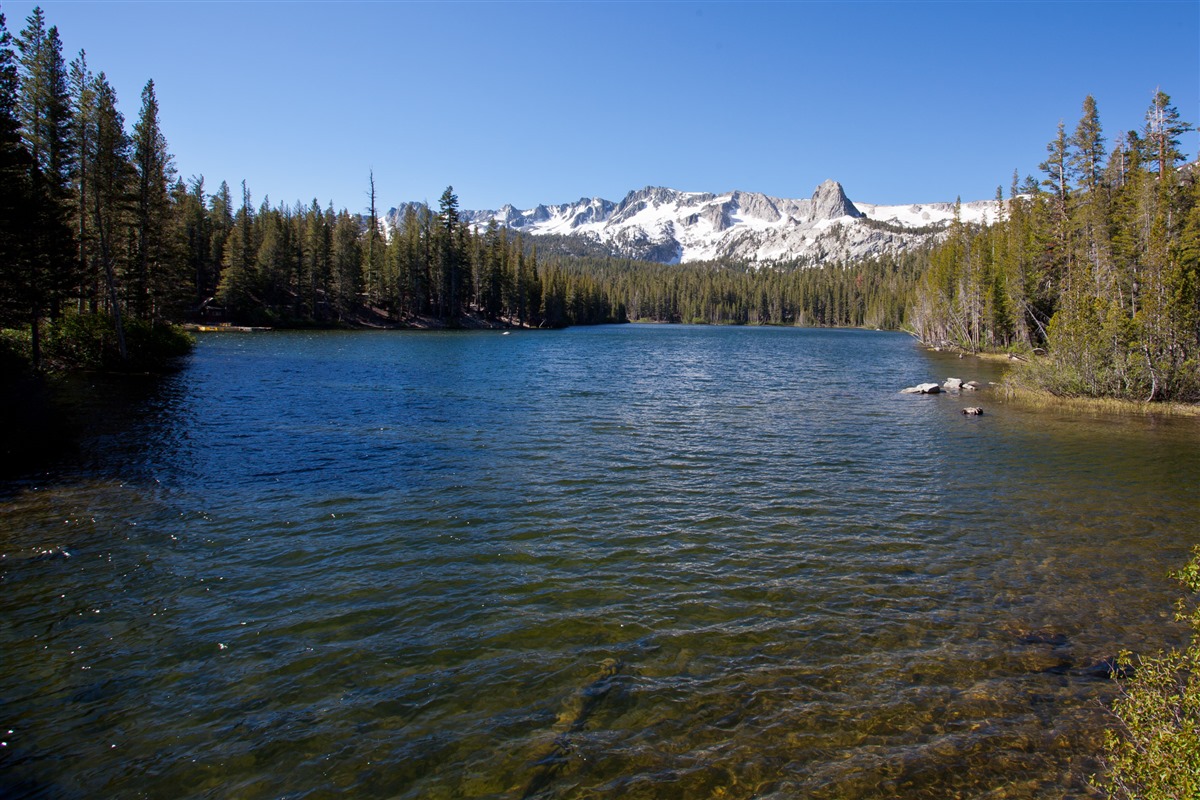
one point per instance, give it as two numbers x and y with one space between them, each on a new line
1040 398
1032 382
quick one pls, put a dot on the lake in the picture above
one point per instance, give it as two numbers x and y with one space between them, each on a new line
614 562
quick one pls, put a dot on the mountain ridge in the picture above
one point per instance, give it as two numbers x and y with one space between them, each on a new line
670 226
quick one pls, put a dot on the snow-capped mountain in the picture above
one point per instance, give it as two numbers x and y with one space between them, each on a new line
669 226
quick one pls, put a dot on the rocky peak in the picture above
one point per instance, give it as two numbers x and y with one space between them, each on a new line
830 202
588 211
755 204
649 196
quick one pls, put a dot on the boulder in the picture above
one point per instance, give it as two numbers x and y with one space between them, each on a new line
971 386
973 411
952 384
922 388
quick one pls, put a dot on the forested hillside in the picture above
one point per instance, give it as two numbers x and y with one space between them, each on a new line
869 293
102 244
1098 263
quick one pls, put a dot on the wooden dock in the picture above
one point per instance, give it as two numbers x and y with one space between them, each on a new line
223 328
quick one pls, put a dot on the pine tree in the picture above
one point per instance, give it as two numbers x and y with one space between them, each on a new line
45 107
1163 129
110 182
1184 290
1058 180
533 287
1093 259
554 300
317 256
470 253
346 265
373 283
15 165
83 100
1088 147
492 272
269 287
238 287
156 284
45 115
450 259
197 231
220 220
417 224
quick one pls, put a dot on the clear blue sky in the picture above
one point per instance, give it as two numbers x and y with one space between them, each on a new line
547 102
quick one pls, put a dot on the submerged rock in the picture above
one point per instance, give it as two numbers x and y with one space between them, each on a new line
922 388
973 411
1107 669
1045 637
555 760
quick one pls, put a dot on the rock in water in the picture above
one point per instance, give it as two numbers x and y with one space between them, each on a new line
1045 637
1108 669
952 384
576 709
922 388
973 411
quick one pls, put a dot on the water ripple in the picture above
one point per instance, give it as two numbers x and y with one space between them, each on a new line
618 562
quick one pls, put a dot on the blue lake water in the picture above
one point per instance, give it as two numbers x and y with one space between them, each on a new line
615 562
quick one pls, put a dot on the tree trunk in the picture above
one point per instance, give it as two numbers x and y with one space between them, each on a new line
35 340
111 279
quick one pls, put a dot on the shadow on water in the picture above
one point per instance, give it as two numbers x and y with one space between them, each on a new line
38 428
74 423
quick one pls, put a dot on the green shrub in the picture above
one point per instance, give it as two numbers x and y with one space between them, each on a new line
15 348
89 341
1154 752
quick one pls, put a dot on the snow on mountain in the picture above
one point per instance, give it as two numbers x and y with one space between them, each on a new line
669 226
926 214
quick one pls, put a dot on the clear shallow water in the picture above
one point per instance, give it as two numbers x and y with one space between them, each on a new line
655 562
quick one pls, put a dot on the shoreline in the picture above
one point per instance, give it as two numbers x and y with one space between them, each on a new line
367 323
1108 405
1040 398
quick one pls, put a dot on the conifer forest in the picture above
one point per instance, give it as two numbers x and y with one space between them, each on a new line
1092 269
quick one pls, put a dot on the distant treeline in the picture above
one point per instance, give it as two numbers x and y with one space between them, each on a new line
869 293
